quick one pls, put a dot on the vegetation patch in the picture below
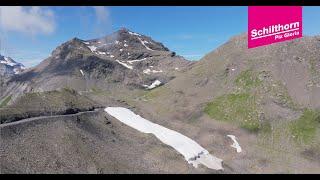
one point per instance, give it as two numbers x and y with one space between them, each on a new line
236 108
304 129
5 101
247 79
154 93
280 92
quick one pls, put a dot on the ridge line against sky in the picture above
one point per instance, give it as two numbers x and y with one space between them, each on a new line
30 34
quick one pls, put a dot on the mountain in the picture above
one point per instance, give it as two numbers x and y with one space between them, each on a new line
123 59
9 67
266 98
120 63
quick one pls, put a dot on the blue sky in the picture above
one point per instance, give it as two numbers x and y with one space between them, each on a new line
189 31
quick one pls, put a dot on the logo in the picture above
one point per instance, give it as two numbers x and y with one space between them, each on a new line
271 24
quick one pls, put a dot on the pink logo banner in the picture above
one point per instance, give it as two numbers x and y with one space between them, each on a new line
271 24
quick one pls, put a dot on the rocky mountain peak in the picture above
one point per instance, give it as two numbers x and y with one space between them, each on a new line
123 56
9 67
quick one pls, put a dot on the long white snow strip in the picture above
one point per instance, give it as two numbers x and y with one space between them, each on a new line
137 60
235 143
155 84
193 153
92 48
81 72
86 43
142 42
133 33
124 64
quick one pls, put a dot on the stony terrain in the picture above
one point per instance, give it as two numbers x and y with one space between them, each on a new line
266 97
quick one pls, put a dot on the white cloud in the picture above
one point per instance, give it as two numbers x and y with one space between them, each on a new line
29 20
103 20
102 14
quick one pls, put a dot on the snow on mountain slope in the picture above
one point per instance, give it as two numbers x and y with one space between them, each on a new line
192 151
9 67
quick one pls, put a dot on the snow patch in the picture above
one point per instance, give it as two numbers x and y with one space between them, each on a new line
87 43
143 43
121 50
101 53
137 60
235 143
8 62
193 153
133 33
155 84
92 48
81 72
125 45
148 71
124 64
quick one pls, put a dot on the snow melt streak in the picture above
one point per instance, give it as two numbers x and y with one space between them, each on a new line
235 143
124 64
192 152
143 43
